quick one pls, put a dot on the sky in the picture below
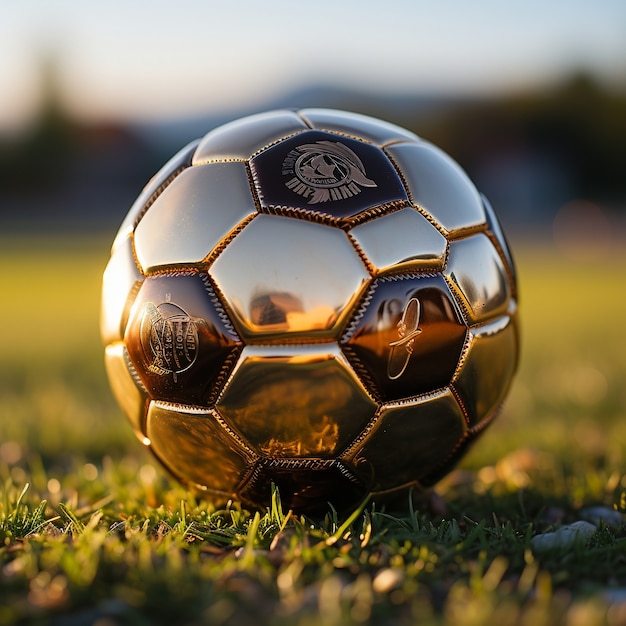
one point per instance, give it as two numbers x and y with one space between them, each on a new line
152 59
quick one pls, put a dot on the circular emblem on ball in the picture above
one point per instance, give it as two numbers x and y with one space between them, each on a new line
169 339
325 170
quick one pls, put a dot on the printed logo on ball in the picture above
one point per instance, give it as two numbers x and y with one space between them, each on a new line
169 339
325 171
320 172
402 349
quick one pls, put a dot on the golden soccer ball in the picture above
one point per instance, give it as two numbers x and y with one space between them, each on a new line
314 299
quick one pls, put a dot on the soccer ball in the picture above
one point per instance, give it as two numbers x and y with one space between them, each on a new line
313 299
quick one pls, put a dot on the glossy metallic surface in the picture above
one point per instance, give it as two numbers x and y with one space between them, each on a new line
477 274
129 392
487 370
243 138
193 215
408 337
157 183
196 448
400 242
179 339
120 282
495 231
325 174
283 277
296 401
410 441
304 483
314 300
439 186
362 126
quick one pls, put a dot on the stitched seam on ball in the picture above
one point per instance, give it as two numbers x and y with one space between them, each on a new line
277 141
219 307
375 212
351 452
459 400
359 312
308 215
157 192
224 375
132 370
210 258
509 272
255 190
488 419
193 409
463 356
338 133
368 264
465 310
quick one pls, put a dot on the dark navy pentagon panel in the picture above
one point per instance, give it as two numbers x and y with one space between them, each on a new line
327 174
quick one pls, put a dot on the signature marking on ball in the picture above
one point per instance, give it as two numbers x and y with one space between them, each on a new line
325 170
402 348
169 339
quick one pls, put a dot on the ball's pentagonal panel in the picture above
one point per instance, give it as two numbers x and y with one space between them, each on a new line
128 390
120 282
495 231
194 214
179 338
410 441
401 241
477 275
407 336
304 483
362 126
284 277
485 374
439 186
157 183
181 435
240 139
326 174
295 401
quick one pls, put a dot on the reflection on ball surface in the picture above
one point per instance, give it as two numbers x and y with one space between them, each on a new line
314 299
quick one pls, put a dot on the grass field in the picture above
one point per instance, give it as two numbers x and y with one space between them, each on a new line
92 532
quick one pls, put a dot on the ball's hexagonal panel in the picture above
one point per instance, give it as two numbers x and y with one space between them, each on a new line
401 241
128 390
410 441
295 401
179 338
195 447
284 277
484 377
304 484
439 186
242 138
476 273
121 280
362 126
495 230
325 173
180 161
407 337
194 214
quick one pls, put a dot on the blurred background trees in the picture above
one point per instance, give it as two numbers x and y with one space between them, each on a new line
531 152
